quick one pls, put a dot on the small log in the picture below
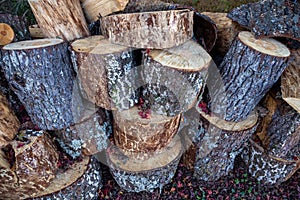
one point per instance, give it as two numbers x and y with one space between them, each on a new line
94 9
7 34
140 137
28 165
18 24
9 123
227 30
149 29
144 175
40 73
218 143
81 181
174 77
290 81
107 72
248 71
64 19
36 32
88 136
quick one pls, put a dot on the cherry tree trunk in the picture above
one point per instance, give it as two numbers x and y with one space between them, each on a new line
40 73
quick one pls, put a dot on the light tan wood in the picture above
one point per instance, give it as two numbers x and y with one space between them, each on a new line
290 82
7 34
95 8
36 31
64 18
32 44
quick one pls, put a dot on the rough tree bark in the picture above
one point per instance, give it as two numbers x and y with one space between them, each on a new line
149 29
40 73
290 81
94 9
274 155
248 71
174 77
107 72
28 165
18 24
81 181
140 137
64 19
144 175
9 123
220 143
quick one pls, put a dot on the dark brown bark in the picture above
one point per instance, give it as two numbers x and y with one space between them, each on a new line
174 78
33 166
82 181
18 24
136 176
271 18
247 75
42 79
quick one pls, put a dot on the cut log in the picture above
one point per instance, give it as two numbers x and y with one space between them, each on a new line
36 32
227 31
88 136
18 24
64 19
174 77
135 6
40 73
140 137
270 18
290 81
248 71
9 123
28 165
7 34
149 29
218 144
81 181
107 72
94 9
144 175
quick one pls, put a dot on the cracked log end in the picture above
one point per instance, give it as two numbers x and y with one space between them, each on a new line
7 34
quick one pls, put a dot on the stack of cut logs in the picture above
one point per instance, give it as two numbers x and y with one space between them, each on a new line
143 91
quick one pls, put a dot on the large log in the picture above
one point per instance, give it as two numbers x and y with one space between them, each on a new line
64 19
28 165
107 72
222 141
174 77
40 73
81 181
140 137
9 123
89 135
144 175
290 81
149 29
94 9
18 24
248 71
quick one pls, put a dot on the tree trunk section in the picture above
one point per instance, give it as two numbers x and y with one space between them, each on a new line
174 77
88 136
64 19
40 73
94 9
149 29
18 24
7 34
218 145
36 32
248 71
290 81
140 137
28 165
81 181
136 175
107 72
9 123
